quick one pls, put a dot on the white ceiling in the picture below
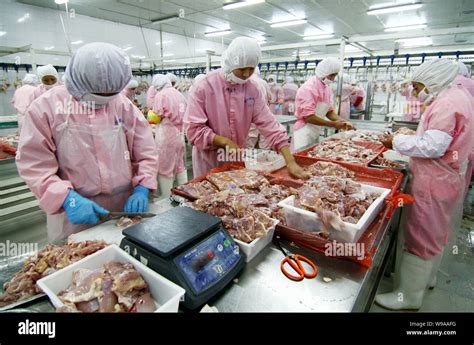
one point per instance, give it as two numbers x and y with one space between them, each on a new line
184 38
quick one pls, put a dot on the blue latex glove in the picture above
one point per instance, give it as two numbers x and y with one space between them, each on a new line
353 109
277 108
80 210
138 201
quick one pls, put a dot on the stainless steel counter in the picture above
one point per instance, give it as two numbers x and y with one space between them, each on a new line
261 287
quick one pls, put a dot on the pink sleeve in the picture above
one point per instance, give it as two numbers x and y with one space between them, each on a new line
195 120
142 146
267 124
305 103
36 160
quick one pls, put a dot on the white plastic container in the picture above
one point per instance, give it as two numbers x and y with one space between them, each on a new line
253 248
266 160
166 294
304 220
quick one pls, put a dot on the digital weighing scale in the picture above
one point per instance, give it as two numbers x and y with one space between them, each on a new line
188 247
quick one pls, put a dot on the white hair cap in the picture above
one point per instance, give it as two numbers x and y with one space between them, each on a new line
242 52
30 79
436 75
463 70
132 84
172 77
43 71
327 67
198 78
272 77
161 81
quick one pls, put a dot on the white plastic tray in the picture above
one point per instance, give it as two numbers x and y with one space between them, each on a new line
165 293
266 160
253 248
305 220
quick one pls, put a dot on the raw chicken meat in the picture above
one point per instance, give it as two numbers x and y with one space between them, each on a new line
329 169
125 222
240 178
387 163
46 261
198 189
340 150
117 287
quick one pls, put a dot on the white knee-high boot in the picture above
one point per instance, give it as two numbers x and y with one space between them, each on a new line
415 273
182 178
434 272
165 183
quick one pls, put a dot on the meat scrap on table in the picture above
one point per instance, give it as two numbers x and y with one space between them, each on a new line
329 169
124 222
48 260
387 163
117 287
340 150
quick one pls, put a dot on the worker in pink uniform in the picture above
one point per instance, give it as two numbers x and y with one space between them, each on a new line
173 79
195 81
464 79
277 95
225 104
313 104
347 90
357 97
289 91
439 153
170 105
413 107
23 96
84 148
48 76
130 90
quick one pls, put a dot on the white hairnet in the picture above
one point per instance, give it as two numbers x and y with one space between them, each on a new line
132 84
436 74
172 77
256 71
97 68
198 78
289 79
160 81
327 67
272 77
463 69
30 79
43 71
242 52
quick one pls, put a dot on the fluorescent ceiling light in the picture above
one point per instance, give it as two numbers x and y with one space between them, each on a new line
2 33
60 2
168 60
169 54
218 33
164 42
25 17
127 48
416 42
138 57
77 42
395 8
405 27
317 37
165 19
237 4
49 48
288 23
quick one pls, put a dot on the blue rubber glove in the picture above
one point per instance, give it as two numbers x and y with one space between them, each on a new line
80 210
277 108
353 109
138 201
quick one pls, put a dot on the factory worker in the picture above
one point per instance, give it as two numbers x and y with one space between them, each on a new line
84 148
439 153
48 77
173 79
196 80
225 104
347 90
170 105
130 90
253 137
150 95
23 96
357 97
313 104
289 91
413 107
277 95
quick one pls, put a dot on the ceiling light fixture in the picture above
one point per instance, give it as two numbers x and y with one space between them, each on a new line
169 60
164 42
218 33
22 19
49 48
2 33
238 4
405 27
60 2
288 23
165 19
396 8
416 42
77 42
317 37
138 57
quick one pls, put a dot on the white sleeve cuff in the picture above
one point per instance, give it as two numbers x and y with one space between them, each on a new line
432 144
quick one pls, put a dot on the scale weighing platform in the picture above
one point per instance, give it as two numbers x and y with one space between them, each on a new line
188 247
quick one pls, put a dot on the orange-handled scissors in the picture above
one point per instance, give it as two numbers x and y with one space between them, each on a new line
296 263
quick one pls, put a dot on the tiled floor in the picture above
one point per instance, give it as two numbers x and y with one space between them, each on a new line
455 289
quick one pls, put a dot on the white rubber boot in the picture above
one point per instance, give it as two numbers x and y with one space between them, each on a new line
165 183
414 277
182 178
434 272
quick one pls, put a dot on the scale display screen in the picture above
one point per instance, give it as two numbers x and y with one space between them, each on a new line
208 261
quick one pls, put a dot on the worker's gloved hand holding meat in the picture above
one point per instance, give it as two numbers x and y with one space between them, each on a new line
81 210
387 141
138 201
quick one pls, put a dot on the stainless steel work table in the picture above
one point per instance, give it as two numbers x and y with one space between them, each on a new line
261 287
